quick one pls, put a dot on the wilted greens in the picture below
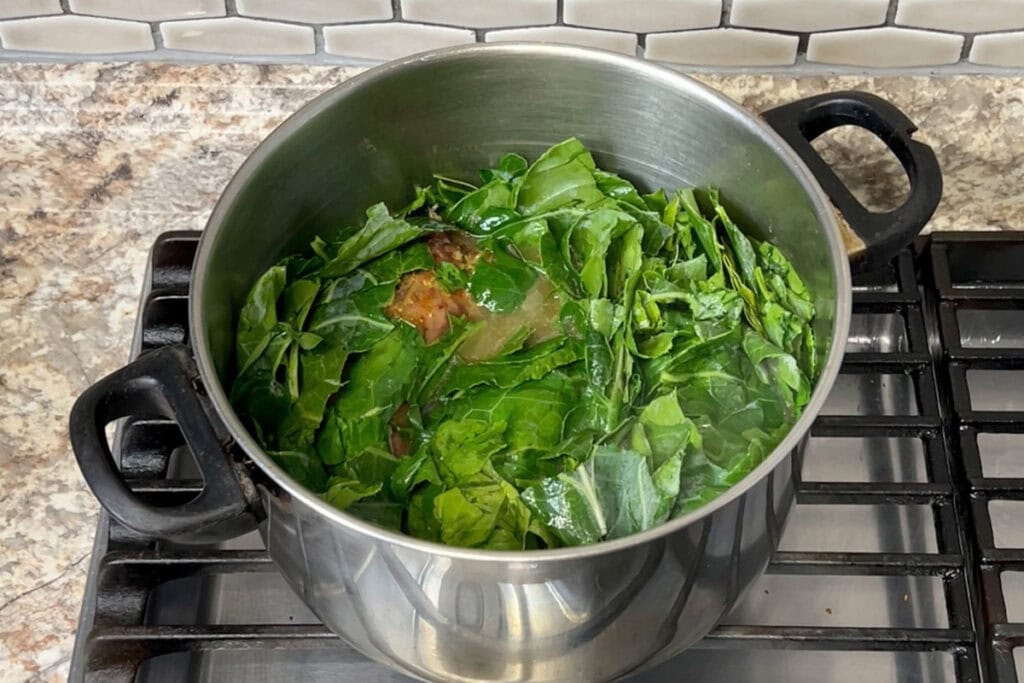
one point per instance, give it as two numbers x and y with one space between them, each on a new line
549 358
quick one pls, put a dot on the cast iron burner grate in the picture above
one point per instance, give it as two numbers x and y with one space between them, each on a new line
903 559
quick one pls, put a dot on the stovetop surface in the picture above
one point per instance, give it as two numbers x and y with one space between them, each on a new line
903 559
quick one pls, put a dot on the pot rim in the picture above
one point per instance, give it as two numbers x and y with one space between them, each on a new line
671 79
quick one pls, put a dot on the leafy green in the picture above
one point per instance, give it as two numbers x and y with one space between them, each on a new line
258 316
450 277
611 495
681 353
394 264
500 282
512 369
562 176
342 492
380 234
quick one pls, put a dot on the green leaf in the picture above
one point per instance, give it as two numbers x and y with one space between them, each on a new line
536 245
611 495
485 209
259 392
742 249
412 471
393 265
487 513
590 240
349 319
421 520
342 492
534 412
380 234
619 189
351 314
665 430
626 491
510 166
463 522
376 386
461 448
667 484
302 467
568 506
258 316
450 277
777 369
512 369
702 228
500 282
320 378
562 176
380 511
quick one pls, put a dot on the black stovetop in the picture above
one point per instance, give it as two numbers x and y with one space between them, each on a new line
903 559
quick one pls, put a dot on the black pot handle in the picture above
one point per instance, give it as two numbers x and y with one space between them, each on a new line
872 239
161 383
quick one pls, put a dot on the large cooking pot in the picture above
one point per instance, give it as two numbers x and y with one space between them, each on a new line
588 613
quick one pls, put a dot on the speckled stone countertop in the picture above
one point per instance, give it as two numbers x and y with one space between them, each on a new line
97 160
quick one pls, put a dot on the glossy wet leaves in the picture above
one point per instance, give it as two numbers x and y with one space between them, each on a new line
634 357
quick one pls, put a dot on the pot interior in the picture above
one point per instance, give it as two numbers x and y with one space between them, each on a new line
374 138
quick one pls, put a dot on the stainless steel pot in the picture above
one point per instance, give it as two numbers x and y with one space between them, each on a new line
578 614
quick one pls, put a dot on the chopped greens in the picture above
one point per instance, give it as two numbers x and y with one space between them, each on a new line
547 359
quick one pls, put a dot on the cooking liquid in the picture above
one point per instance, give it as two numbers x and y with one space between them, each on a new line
538 314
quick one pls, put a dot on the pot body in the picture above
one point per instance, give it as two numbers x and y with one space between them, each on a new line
455 618
486 618
590 613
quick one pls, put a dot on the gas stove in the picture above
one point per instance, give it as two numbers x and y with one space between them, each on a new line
903 559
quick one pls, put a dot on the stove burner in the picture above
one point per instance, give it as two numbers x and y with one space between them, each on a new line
903 559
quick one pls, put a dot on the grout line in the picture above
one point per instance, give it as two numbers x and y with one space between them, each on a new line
890 13
726 13
318 39
230 8
65 7
802 40
965 52
158 36
396 10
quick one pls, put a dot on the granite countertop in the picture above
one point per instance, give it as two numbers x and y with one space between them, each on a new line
98 159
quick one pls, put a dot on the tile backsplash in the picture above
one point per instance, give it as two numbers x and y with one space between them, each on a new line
806 35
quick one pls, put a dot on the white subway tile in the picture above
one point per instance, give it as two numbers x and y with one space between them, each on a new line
808 15
77 35
237 36
967 16
885 48
999 49
28 8
481 13
643 17
723 47
605 40
391 40
317 11
149 10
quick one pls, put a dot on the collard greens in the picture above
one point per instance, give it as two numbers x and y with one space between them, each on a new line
585 363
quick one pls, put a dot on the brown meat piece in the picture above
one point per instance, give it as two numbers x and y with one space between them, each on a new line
420 301
454 247
397 438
